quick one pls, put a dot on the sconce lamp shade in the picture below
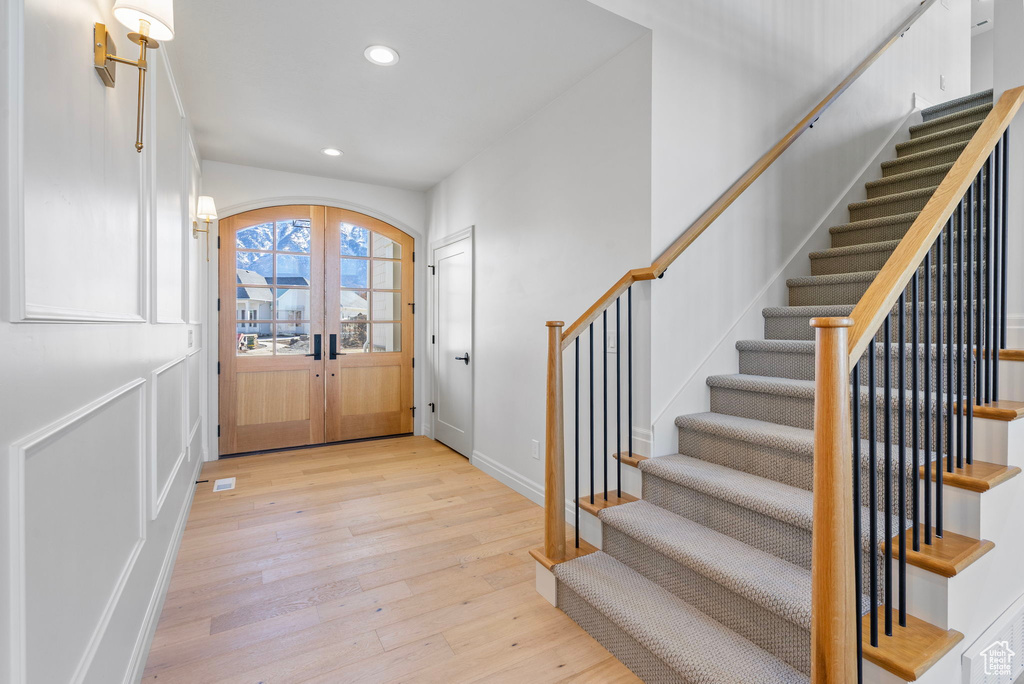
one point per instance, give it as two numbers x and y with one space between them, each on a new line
159 14
207 210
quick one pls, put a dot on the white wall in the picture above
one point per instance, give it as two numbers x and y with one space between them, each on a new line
981 61
101 413
561 208
238 188
729 78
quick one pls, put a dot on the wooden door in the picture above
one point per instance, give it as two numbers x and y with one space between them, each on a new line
368 269
271 326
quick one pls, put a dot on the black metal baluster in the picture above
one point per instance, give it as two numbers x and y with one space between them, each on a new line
872 490
629 367
618 399
857 552
901 479
1005 146
940 299
926 276
915 414
987 270
979 291
960 277
997 290
887 483
969 304
591 440
576 429
604 400
950 302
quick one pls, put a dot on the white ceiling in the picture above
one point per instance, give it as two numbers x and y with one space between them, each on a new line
269 84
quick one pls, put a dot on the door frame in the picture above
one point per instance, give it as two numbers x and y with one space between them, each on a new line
213 315
470 234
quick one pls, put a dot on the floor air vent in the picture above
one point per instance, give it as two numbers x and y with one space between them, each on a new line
224 484
997 657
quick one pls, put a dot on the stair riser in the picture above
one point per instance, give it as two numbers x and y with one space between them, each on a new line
798 328
945 109
975 117
801 367
859 212
829 294
865 236
909 163
855 263
954 135
771 632
799 412
781 539
628 650
929 180
788 467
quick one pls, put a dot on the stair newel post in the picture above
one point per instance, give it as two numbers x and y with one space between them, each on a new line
834 613
554 466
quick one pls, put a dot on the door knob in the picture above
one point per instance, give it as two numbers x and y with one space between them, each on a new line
463 358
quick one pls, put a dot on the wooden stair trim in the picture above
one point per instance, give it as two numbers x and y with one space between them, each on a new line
947 555
601 503
630 459
1004 409
1011 355
571 553
979 476
911 650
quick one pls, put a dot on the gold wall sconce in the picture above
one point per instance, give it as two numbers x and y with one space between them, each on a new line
207 212
154 20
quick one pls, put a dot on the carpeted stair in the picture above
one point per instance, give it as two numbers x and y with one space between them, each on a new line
706 579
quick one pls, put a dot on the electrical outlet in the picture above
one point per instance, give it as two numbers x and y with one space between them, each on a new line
942 82
535 449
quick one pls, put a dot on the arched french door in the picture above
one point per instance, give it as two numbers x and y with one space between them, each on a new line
316 328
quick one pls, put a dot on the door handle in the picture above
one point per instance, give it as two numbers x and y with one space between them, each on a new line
463 358
316 348
333 351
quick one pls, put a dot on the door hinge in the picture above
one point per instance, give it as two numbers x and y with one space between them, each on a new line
413 411
414 362
414 257
413 305
218 368
431 407
218 430
431 267
433 339
218 303
218 242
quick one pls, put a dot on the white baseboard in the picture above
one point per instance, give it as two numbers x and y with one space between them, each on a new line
534 491
156 602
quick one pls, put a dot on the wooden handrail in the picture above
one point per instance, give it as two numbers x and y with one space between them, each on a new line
736 189
834 613
884 291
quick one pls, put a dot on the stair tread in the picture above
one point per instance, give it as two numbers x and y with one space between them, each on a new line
683 637
865 224
832 279
851 250
896 196
947 555
782 502
943 120
980 96
938 135
769 581
979 476
925 154
909 175
807 347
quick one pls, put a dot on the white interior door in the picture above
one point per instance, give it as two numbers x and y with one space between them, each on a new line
453 343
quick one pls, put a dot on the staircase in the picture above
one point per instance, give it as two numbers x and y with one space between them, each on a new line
707 578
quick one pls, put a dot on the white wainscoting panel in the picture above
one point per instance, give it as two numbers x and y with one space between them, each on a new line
74 569
168 428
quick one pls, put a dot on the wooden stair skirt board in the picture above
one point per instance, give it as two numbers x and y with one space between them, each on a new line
979 476
911 650
946 555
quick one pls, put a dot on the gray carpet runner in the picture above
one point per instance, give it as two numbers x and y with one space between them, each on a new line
706 579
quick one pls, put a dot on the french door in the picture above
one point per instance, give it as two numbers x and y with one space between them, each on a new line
316 328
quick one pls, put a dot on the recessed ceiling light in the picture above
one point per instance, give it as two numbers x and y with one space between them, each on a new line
381 55
332 151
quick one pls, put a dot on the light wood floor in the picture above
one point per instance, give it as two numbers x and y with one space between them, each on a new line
387 561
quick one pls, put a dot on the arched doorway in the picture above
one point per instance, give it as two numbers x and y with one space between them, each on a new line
316 328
